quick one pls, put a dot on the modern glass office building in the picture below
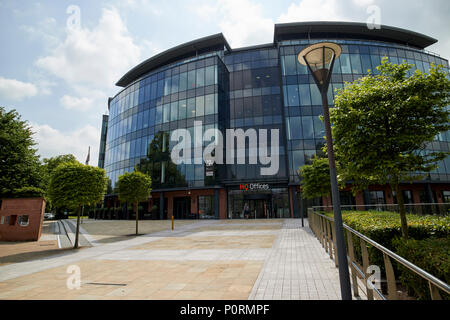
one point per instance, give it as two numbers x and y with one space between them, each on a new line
258 87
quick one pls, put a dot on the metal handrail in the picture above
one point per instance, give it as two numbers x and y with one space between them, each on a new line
326 239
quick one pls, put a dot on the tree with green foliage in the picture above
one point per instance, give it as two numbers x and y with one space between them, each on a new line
315 179
19 163
134 187
73 185
48 166
383 124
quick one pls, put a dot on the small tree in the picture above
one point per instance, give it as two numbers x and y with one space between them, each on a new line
19 164
383 123
73 185
133 188
315 179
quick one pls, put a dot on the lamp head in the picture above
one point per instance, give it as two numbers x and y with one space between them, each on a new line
319 58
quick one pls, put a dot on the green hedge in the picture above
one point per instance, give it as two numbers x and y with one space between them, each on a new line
433 256
384 228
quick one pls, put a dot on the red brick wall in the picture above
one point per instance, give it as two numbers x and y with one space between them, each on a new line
33 207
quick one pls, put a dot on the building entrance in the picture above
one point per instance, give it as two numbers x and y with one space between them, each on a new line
259 209
182 208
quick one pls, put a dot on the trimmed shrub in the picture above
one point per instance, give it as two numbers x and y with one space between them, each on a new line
431 255
29 192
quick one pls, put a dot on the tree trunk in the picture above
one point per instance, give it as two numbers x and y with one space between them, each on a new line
75 246
137 216
401 207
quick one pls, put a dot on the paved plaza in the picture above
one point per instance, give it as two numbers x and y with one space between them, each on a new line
217 259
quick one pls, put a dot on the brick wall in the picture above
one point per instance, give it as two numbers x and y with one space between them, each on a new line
12 210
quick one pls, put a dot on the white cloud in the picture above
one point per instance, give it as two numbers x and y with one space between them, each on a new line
82 104
241 21
363 3
52 142
312 10
94 57
13 89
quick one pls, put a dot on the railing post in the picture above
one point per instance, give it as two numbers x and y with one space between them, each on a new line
330 241
365 258
334 244
434 292
390 276
351 254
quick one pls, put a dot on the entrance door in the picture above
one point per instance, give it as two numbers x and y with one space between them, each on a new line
259 209
182 207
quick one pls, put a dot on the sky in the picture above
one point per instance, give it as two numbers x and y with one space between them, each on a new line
60 60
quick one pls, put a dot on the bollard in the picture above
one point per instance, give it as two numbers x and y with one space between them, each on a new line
173 218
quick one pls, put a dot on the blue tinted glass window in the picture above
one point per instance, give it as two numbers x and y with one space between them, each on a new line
182 109
175 84
356 63
337 66
191 79
319 128
209 76
376 61
308 129
305 96
345 63
201 77
167 82
209 104
183 81
366 64
298 160
166 113
174 111
295 128
191 108
301 69
316 98
290 67
293 95
200 106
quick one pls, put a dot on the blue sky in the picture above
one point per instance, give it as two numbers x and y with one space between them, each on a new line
59 79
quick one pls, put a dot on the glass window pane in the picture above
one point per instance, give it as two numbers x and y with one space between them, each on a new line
290 65
158 117
316 97
319 128
183 81
295 126
209 76
182 109
191 108
175 84
191 79
293 95
167 82
308 129
174 111
356 63
345 63
298 160
200 106
166 113
201 77
305 96
366 64
209 104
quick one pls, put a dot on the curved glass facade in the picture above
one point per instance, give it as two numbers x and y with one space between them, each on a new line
261 87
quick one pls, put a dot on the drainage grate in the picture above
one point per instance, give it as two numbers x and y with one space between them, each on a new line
107 284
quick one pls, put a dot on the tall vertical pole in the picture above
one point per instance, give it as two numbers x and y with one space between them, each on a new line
344 278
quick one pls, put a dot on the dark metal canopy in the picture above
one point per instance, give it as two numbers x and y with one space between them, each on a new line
185 50
349 30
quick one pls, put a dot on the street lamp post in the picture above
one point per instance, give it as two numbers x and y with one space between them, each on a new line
319 58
